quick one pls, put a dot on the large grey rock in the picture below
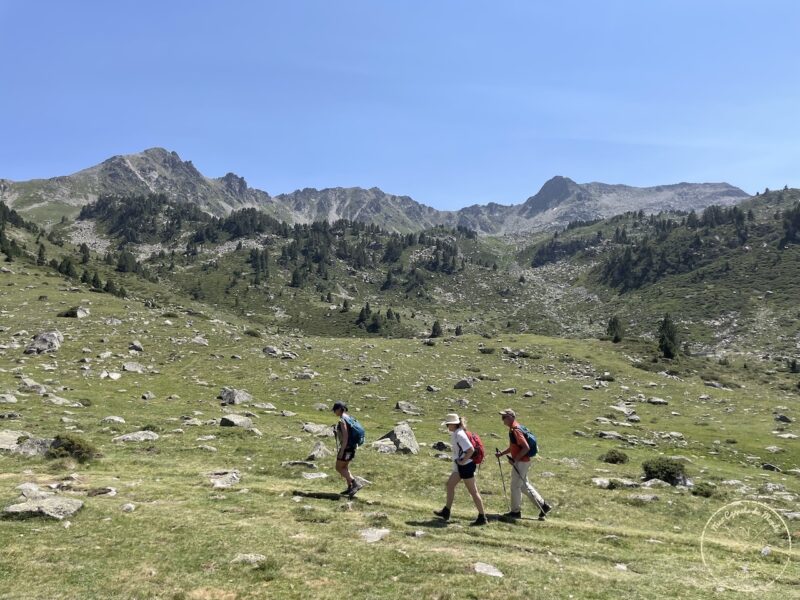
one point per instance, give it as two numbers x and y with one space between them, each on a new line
76 312
29 386
463 384
230 395
137 436
47 341
59 401
55 507
7 399
28 446
133 367
234 420
408 408
319 451
403 439
318 430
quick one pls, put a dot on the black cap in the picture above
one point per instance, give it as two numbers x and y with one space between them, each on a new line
339 405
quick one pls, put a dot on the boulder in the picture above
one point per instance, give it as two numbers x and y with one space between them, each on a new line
319 451
136 436
318 430
433 388
29 386
463 384
230 395
486 569
55 507
408 408
403 439
133 367
113 419
47 341
28 446
234 420
136 345
224 479
7 399
76 312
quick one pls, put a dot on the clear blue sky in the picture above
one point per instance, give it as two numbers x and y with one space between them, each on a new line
453 102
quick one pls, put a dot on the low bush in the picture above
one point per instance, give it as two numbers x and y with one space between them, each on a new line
72 446
704 489
665 469
614 457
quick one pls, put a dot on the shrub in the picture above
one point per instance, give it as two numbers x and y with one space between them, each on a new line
252 333
486 350
704 489
665 469
150 427
72 446
614 457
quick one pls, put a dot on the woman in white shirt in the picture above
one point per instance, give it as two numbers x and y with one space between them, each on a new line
463 469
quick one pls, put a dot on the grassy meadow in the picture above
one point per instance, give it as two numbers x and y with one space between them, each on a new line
183 535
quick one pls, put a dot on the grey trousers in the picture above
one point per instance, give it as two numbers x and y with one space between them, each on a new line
519 482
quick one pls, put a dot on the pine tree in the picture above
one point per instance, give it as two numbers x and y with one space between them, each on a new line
615 329
436 330
96 283
41 257
459 330
668 342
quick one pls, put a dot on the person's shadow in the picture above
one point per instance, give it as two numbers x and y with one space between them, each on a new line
437 523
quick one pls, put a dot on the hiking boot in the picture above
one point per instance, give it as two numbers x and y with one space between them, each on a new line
348 490
545 509
444 513
354 488
514 514
481 520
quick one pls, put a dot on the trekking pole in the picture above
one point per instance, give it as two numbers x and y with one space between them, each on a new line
525 481
502 478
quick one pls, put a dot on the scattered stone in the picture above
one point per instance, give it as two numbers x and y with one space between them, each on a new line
463 384
224 479
486 569
200 340
408 408
148 396
611 435
264 405
230 395
770 467
782 418
403 439
76 312
103 491
657 401
47 341
234 420
442 446
372 534
249 559
55 507
433 388
318 430
7 399
320 406
319 451
299 463
136 346
643 498
10 416
509 391
128 508
314 475
29 386
133 367
137 436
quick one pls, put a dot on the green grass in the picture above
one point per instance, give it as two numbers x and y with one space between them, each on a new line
182 537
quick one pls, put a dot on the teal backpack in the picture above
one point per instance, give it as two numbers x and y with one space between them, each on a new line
357 433
533 447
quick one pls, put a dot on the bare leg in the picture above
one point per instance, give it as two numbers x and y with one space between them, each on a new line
450 486
472 487
343 468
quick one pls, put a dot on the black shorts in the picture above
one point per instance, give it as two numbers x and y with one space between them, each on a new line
467 471
347 455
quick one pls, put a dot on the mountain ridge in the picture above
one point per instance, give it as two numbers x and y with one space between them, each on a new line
559 201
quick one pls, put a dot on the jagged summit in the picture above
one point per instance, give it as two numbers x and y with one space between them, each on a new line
158 170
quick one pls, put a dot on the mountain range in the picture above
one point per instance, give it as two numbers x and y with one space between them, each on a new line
156 170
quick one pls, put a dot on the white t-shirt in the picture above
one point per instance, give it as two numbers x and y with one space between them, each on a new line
461 444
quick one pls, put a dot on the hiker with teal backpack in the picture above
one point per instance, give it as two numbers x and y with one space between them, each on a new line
349 436
521 448
467 455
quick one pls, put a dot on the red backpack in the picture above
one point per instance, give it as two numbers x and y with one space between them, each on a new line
479 453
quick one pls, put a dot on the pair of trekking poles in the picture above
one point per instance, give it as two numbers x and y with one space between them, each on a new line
503 479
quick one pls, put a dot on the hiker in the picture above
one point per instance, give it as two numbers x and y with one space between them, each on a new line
347 442
463 469
519 453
